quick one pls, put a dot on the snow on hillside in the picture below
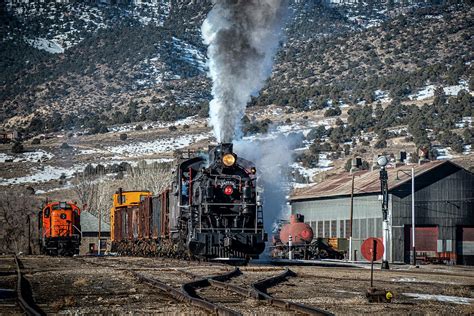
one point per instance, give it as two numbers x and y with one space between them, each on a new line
33 156
163 145
190 54
42 174
429 91
191 120
48 45
59 26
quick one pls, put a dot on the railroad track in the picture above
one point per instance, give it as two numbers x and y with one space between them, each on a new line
214 294
17 300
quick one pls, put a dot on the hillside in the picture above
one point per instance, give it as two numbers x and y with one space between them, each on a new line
122 83
85 62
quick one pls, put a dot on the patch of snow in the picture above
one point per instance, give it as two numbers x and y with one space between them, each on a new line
465 122
428 91
5 157
467 149
31 156
158 146
382 96
324 164
190 54
48 45
44 174
443 153
441 298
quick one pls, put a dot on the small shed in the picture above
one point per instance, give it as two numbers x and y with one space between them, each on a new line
90 234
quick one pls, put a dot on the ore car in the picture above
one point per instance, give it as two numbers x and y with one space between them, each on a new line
60 229
210 210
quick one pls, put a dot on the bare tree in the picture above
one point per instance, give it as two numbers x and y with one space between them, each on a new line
95 192
18 221
85 187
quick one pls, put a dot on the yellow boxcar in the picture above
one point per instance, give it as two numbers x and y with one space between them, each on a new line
122 202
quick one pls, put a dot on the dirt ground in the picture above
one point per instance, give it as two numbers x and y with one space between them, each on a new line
89 285
342 290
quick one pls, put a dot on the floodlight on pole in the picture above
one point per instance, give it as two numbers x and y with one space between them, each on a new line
382 161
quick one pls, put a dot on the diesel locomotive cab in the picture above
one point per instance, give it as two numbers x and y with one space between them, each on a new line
219 211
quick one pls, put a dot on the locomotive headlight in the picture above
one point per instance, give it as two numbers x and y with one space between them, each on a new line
253 170
228 190
228 160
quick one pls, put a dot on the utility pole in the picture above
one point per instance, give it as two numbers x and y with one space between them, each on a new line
28 221
413 227
351 219
100 222
413 214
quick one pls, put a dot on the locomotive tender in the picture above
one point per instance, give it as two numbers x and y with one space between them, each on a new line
60 229
211 210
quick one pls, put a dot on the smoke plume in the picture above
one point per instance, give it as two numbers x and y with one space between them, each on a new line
272 156
243 36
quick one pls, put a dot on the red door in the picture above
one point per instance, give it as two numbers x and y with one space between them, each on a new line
465 245
426 241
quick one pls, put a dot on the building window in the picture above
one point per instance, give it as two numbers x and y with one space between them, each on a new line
326 229
378 228
355 227
371 227
348 228
334 228
314 227
363 228
320 229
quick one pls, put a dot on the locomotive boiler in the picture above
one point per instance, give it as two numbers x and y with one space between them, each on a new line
210 210
60 229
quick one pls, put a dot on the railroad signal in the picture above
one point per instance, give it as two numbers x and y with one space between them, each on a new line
368 247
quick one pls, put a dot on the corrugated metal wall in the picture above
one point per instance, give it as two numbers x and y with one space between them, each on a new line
331 217
444 198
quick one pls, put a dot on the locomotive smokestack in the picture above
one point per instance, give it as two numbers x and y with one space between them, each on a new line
216 153
243 37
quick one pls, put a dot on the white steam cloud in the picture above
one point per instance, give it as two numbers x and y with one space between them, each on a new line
243 37
272 158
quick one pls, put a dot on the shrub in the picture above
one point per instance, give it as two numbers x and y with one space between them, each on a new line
172 128
65 146
17 148
138 127
35 141
123 136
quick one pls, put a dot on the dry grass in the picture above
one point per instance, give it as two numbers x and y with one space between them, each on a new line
80 282
60 304
462 291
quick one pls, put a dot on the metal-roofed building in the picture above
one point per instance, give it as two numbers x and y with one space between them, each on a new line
444 210
90 234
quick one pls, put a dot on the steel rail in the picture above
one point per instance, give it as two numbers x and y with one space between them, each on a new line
187 293
258 291
25 300
261 288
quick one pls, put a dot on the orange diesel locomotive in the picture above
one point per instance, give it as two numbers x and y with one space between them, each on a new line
60 229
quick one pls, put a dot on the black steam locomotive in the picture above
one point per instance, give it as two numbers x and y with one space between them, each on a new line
211 210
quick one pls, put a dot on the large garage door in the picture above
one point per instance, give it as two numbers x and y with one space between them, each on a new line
465 245
426 241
